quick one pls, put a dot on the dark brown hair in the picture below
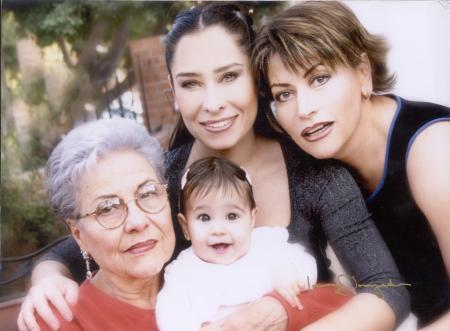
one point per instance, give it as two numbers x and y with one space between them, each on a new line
235 18
213 173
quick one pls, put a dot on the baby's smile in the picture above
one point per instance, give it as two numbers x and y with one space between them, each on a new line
220 248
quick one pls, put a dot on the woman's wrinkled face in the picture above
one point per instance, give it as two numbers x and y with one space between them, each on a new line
214 88
319 108
138 248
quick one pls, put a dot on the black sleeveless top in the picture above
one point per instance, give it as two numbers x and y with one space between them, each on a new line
401 223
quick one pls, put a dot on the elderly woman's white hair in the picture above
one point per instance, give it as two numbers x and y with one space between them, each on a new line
81 149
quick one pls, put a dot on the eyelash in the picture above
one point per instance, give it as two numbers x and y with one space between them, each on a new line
199 217
229 76
236 217
226 77
279 95
188 84
314 79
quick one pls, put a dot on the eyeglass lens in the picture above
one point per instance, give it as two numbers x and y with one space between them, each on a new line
150 197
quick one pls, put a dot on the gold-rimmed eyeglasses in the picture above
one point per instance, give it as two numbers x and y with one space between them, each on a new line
150 197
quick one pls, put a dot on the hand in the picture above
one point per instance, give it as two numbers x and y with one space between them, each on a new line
60 291
290 294
210 327
266 314
286 282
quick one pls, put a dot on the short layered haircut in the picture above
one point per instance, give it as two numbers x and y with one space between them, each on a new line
325 32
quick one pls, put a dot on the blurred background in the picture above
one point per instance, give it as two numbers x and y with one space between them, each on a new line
67 62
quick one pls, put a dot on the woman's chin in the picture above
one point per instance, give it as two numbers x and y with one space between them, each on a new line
319 152
222 143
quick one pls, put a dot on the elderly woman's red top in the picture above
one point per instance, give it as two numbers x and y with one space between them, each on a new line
96 310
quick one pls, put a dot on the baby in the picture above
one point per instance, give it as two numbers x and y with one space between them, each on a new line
229 262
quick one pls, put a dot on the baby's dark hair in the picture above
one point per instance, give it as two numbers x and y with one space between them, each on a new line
213 173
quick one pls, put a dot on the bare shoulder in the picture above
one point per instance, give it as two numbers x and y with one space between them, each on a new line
428 170
429 152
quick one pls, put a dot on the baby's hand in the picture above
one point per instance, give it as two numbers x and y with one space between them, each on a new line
208 326
286 282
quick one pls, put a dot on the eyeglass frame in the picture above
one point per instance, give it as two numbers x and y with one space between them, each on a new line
125 203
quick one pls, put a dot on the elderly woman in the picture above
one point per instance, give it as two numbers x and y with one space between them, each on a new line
105 180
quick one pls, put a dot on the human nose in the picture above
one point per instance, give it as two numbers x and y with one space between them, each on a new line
306 106
218 228
213 101
136 219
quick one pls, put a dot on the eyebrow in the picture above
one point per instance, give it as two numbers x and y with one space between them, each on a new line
109 196
280 85
206 208
306 74
218 70
200 208
238 207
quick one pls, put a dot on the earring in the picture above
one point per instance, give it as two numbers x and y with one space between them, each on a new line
87 260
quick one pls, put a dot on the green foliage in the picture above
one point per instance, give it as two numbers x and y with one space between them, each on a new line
27 221
9 38
35 93
50 21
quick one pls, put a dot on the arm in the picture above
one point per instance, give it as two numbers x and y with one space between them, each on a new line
51 284
440 325
364 312
51 280
363 253
428 173
266 314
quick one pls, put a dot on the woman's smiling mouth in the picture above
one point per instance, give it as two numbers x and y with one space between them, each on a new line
220 125
142 247
317 131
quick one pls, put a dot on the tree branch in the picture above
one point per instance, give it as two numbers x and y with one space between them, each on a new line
89 52
104 67
66 56
116 91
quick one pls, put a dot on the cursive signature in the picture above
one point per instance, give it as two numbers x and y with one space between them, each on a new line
343 289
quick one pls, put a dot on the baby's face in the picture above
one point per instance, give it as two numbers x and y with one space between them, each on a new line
220 226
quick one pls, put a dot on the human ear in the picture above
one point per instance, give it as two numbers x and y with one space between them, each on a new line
184 225
253 215
172 90
76 234
169 78
364 70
